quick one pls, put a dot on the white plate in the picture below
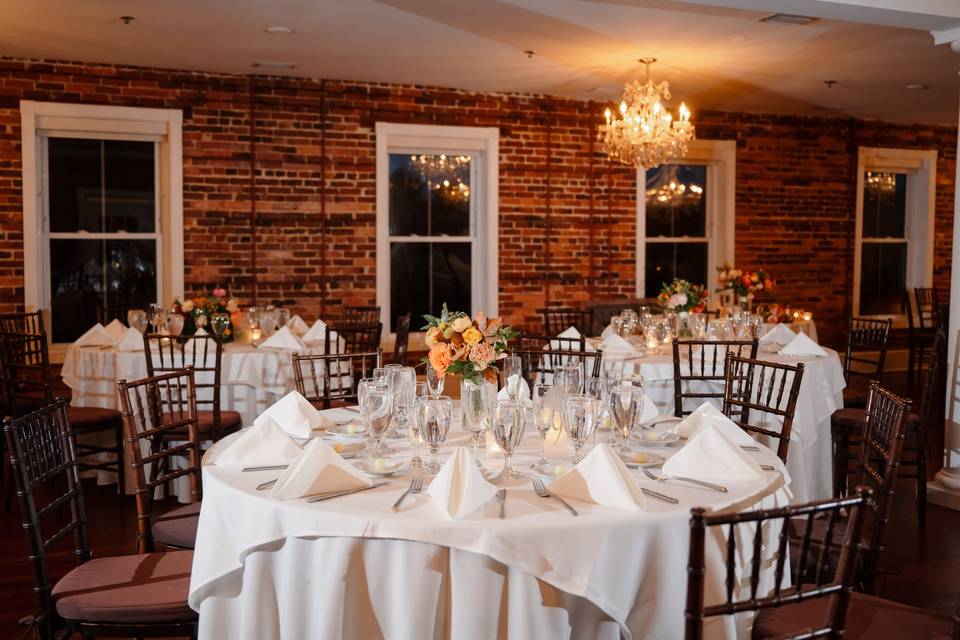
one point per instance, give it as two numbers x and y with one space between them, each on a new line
553 469
352 431
390 467
654 439
349 450
640 459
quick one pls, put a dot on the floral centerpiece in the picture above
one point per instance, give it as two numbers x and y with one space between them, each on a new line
775 313
682 296
743 283
465 346
217 301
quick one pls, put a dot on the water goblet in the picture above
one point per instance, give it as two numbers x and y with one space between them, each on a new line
661 331
220 322
616 323
579 420
433 419
200 319
544 407
698 325
174 324
268 322
283 317
567 378
508 426
377 411
435 381
626 405
475 411
512 375
754 326
137 318
722 329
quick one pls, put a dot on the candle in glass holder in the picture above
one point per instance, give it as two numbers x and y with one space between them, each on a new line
808 316
652 343
255 335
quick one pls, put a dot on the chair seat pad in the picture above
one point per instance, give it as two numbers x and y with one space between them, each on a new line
868 617
230 421
178 527
849 420
141 588
855 397
94 418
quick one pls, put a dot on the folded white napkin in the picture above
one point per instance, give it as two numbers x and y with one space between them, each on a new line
132 340
778 333
283 339
190 346
459 488
96 336
523 395
601 477
317 469
262 444
569 332
616 345
708 415
649 411
606 331
712 456
802 345
316 333
297 325
294 415
116 329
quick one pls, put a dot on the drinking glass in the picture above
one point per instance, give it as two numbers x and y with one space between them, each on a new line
363 386
616 323
268 322
661 331
673 322
626 405
155 314
200 319
380 374
593 387
512 375
508 426
567 378
722 329
544 406
252 317
698 325
579 420
377 411
400 380
174 324
475 411
435 381
754 326
433 419
220 322
404 397
137 318
283 317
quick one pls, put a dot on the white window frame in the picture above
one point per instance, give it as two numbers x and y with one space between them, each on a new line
484 189
41 120
720 158
920 165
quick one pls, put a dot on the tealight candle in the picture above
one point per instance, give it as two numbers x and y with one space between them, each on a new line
652 343
807 316
255 335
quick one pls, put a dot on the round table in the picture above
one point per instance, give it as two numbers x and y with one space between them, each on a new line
350 567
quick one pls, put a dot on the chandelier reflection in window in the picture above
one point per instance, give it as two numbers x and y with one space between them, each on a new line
886 182
447 176
645 133
669 190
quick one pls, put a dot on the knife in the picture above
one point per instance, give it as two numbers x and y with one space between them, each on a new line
336 494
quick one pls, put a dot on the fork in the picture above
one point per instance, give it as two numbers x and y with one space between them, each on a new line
541 490
416 486
502 499
706 485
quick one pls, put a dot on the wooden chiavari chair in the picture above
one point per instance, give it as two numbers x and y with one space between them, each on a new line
559 319
698 368
833 591
163 442
353 338
866 357
539 365
402 343
528 342
143 595
928 308
30 322
203 354
362 315
766 388
331 379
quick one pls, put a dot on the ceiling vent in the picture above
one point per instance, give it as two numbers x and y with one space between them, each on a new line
788 18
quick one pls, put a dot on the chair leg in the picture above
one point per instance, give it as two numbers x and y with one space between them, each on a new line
840 448
118 432
921 476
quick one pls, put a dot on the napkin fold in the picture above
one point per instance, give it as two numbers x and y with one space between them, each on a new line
707 415
317 333
294 415
712 456
614 345
96 336
317 469
297 325
132 340
262 444
116 329
778 333
569 332
283 338
802 345
523 394
608 330
459 488
602 478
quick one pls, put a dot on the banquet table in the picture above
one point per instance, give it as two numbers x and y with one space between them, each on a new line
351 568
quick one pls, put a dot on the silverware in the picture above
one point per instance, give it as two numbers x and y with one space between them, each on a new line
662 419
768 467
707 485
336 494
416 486
541 490
750 447
502 499
659 496
273 467
263 486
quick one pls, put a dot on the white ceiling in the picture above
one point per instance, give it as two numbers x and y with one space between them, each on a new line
715 53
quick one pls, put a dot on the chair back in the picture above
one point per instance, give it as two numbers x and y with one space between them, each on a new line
329 378
160 423
539 365
932 381
726 536
31 322
928 307
867 341
27 379
698 369
362 315
202 354
761 397
358 338
43 462
402 341
558 319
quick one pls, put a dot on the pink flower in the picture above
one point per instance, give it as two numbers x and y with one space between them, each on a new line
220 292
482 355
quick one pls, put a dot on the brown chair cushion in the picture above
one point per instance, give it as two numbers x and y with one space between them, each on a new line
150 587
178 527
849 420
94 418
855 397
230 421
868 617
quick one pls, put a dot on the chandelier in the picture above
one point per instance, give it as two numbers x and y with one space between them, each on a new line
886 182
645 133
444 174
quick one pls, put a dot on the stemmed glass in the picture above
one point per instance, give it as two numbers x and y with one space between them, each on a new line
593 387
413 429
435 381
544 406
158 317
377 411
268 322
698 325
475 410
137 318
220 322
661 331
200 319
508 426
754 325
252 316
174 324
512 375
626 405
283 317
433 419
579 419
567 378
401 381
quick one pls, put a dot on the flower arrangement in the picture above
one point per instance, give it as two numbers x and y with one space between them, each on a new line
743 283
217 301
469 347
775 313
682 296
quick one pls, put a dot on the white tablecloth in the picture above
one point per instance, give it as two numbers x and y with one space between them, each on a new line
351 568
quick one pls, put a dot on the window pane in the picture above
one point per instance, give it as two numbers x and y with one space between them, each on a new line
429 195
668 260
129 186
74 184
884 205
425 275
883 277
677 201
109 274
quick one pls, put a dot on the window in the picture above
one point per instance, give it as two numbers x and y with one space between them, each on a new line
685 216
104 233
893 251
436 220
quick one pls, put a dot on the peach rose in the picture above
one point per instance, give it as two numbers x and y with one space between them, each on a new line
472 336
492 325
219 292
461 324
482 355
440 358
187 306
434 334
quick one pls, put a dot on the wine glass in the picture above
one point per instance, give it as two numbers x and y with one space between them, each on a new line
626 405
413 429
200 319
433 419
377 411
137 318
508 426
544 406
435 381
475 411
616 324
252 318
174 324
567 378
722 329
754 326
283 317
512 376
155 314
268 322
380 375
698 325
593 387
220 323
661 331
579 420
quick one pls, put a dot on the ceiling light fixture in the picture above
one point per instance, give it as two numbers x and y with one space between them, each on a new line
279 30
529 52
645 133
274 66
127 19
788 19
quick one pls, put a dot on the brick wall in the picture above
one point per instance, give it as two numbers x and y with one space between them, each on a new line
567 214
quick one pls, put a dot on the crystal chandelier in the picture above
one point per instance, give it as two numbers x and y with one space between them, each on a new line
444 174
645 133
